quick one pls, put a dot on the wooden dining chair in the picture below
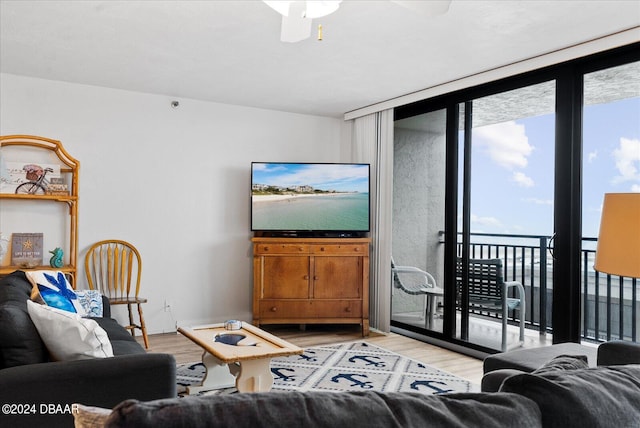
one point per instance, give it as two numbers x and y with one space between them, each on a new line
114 267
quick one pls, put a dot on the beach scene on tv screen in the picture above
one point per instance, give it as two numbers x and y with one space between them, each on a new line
322 197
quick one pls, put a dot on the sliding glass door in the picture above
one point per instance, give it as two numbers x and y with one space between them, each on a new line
515 172
418 220
505 202
505 146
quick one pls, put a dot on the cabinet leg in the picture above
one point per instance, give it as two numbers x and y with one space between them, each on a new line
365 328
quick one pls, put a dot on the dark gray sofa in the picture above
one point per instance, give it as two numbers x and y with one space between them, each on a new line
501 366
564 392
553 397
39 391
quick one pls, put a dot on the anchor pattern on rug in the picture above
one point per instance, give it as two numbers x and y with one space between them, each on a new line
430 384
368 360
278 374
309 356
353 366
352 379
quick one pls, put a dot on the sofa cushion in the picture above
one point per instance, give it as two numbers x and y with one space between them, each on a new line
121 340
20 342
564 362
594 397
330 409
67 335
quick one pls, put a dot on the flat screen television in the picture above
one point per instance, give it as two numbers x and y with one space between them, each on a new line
310 199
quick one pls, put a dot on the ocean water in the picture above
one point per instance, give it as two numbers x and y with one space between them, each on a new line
319 212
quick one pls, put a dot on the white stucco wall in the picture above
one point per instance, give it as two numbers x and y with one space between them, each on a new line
173 181
419 194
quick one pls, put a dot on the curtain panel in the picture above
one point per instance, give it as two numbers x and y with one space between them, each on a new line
372 143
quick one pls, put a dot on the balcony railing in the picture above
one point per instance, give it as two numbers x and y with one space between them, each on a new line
609 303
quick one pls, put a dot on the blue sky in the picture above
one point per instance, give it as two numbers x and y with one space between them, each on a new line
340 177
513 177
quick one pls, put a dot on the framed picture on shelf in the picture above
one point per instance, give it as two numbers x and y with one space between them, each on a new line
26 249
57 187
14 174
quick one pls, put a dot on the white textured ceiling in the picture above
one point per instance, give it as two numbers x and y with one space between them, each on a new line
230 52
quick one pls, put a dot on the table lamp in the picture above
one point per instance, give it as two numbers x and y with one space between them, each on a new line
618 250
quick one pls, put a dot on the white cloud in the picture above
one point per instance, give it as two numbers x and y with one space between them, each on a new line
635 188
485 221
522 179
506 143
539 201
627 157
592 156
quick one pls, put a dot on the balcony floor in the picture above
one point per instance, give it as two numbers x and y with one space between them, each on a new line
482 331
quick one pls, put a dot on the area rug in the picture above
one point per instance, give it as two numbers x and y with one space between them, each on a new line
352 366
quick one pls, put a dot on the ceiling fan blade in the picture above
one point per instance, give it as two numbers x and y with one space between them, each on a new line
425 7
282 7
295 26
318 8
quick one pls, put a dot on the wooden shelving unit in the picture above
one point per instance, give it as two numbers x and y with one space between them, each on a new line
53 152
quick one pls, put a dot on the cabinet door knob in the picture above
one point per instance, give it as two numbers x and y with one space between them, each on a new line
356 249
274 309
301 248
265 248
321 248
315 278
306 277
347 309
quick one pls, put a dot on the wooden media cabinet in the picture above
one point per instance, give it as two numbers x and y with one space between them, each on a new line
311 281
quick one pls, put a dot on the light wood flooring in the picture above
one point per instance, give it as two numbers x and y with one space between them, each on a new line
460 365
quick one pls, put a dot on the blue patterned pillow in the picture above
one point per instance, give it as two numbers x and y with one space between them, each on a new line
91 302
53 289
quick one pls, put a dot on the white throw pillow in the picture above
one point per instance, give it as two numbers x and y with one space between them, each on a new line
67 335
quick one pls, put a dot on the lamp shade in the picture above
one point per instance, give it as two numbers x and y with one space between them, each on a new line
618 250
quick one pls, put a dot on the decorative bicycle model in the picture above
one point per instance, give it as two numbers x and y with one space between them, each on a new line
37 184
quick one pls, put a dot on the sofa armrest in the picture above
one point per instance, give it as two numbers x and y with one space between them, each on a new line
492 381
618 352
102 382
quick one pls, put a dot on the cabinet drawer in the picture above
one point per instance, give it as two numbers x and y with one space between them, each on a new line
281 249
346 249
310 309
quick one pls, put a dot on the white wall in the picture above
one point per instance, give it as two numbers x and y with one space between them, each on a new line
174 182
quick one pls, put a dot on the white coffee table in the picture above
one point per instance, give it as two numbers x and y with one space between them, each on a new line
245 365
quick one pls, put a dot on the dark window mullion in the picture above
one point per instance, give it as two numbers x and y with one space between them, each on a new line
567 208
451 216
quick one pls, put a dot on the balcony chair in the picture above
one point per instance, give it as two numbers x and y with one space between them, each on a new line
114 268
488 292
416 282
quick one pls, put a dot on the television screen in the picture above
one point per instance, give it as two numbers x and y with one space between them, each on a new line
309 197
